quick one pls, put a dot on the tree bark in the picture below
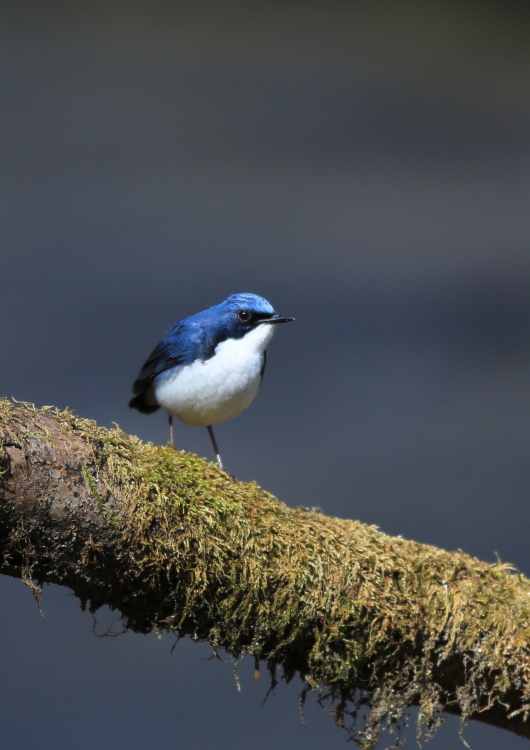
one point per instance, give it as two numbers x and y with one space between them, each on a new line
372 623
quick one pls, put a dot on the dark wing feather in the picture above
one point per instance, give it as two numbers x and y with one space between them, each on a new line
262 372
160 359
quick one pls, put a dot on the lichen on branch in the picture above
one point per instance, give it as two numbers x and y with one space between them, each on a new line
372 623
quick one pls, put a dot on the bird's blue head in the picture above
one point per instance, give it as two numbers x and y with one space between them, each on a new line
243 312
236 316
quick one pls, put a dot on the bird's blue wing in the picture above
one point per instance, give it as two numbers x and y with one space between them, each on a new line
165 356
162 358
185 342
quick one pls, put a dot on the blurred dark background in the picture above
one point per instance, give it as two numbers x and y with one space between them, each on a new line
364 166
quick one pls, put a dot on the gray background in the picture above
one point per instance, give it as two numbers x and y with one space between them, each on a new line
362 165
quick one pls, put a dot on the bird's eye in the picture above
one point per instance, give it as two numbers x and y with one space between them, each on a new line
244 315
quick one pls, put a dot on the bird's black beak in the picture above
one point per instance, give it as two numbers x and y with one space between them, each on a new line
277 319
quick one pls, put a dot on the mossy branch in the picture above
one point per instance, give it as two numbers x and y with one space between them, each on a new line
373 623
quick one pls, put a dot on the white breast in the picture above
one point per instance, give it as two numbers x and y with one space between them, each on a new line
206 393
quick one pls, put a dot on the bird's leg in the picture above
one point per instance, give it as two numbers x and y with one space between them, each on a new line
171 430
216 449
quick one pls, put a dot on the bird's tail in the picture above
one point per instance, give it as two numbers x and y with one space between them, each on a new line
143 403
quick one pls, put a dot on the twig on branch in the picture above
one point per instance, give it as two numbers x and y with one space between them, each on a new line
372 623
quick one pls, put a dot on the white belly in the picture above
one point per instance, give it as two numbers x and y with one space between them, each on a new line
206 393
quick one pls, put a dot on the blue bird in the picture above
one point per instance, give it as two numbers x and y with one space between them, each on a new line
209 366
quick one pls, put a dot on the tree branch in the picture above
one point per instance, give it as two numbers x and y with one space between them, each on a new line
373 623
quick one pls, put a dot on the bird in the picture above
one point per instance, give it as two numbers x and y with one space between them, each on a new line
208 368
